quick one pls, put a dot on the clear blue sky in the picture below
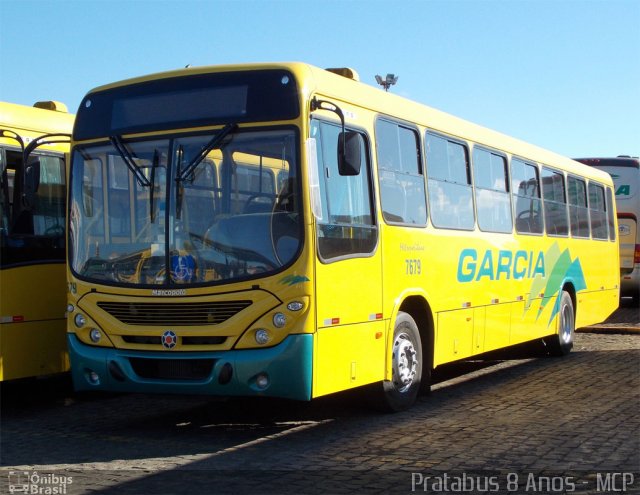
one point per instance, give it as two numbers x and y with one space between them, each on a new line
562 74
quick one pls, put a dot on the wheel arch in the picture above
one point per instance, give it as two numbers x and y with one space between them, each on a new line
417 306
570 288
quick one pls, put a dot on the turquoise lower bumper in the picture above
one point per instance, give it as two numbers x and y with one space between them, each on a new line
287 366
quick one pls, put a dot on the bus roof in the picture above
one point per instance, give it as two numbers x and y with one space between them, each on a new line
337 84
37 120
619 161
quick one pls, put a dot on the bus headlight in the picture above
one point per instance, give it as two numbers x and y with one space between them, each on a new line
80 320
295 306
95 335
279 320
262 336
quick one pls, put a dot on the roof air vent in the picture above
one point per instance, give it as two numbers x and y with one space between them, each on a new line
345 72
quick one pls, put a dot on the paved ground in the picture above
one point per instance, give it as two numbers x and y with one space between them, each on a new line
541 425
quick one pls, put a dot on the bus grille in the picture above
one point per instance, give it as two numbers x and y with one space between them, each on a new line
157 340
172 369
183 314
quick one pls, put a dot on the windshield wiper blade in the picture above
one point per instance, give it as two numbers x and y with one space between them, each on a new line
154 165
179 186
211 145
129 161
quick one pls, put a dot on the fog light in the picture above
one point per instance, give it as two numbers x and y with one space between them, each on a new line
80 320
279 320
92 377
95 335
262 336
262 381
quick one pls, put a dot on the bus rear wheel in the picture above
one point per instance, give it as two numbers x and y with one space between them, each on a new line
561 343
401 391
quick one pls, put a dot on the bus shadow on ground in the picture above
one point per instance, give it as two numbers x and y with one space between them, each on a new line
234 469
67 429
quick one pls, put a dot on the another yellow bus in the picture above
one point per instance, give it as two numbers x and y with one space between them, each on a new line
32 236
397 238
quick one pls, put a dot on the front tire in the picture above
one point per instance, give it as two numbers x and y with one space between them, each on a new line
562 343
401 391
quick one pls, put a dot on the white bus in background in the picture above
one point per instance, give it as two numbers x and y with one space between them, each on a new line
625 171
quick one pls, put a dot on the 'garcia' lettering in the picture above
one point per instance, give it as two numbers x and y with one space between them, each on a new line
499 265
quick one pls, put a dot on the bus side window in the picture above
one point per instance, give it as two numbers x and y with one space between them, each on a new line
598 212
402 191
49 210
450 192
555 202
493 200
578 210
346 226
525 187
610 216
6 195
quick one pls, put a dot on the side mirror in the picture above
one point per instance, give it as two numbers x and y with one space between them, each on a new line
31 183
349 153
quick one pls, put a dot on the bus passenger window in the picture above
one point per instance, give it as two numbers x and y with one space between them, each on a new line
555 203
610 216
598 212
402 191
578 210
525 187
450 193
346 226
493 200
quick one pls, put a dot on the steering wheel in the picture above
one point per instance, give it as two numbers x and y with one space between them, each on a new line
282 222
55 230
255 198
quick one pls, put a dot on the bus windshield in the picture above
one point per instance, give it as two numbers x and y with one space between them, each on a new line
174 211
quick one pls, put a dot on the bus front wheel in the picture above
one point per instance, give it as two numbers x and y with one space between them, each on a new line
561 343
401 391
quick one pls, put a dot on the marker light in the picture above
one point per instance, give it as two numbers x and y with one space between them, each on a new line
70 308
95 335
279 320
80 320
295 306
262 336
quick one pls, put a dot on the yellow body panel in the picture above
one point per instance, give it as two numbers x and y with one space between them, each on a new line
348 356
33 291
32 332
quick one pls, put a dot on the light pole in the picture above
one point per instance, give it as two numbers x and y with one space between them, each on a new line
389 81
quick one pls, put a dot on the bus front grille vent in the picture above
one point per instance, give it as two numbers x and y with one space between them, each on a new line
172 369
201 313
157 340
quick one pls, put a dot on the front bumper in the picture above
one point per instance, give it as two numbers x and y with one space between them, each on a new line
287 366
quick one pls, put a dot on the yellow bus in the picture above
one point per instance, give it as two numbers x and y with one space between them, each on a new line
32 236
395 239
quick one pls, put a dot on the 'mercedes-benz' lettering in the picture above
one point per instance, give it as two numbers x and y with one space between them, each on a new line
169 292
499 265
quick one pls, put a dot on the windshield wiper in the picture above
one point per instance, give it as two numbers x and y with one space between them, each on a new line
214 143
129 161
180 187
154 165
